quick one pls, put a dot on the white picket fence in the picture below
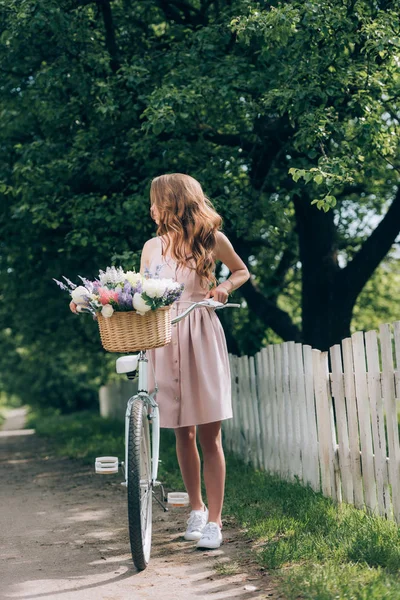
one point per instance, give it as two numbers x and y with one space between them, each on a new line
295 418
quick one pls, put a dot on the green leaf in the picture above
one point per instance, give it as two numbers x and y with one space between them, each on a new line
318 179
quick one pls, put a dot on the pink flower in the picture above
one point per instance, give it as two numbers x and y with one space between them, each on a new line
107 295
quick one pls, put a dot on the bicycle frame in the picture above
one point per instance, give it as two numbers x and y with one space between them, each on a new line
143 393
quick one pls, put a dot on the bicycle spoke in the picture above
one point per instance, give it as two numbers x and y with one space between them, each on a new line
146 479
145 499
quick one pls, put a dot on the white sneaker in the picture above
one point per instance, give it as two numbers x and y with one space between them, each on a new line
211 537
195 524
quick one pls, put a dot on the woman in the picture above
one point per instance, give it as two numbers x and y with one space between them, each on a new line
193 371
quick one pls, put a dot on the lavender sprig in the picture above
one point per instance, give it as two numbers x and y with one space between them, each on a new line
61 285
71 285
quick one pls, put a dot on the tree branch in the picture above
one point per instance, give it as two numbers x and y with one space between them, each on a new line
374 249
111 43
271 315
277 281
267 310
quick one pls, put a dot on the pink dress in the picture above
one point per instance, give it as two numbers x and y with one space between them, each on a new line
192 371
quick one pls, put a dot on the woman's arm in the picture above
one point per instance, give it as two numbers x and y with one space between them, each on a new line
146 254
225 252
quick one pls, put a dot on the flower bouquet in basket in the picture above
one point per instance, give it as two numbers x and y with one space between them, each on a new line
132 310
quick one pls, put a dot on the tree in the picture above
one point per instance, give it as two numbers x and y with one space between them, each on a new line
281 110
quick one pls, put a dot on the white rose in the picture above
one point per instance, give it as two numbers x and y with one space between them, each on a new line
154 288
150 287
162 286
107 310
139 304
133 277
166 283
79 295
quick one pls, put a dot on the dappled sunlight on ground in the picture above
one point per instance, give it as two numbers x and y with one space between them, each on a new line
66 535
17 433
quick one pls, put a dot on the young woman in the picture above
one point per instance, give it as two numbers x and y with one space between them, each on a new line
193 370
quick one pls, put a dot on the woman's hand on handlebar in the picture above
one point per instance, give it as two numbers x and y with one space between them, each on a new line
219 293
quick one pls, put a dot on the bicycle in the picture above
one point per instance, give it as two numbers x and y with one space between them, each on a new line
142 448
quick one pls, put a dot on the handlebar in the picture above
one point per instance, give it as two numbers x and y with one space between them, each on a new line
209 303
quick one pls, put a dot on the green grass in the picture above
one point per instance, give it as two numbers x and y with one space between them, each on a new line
82 435
314 549
226 567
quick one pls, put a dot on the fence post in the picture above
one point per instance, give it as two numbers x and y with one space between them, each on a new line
378 424
341 424
324 425
294 403
391 417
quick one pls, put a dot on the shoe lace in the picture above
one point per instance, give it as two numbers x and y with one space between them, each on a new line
210 531
195 519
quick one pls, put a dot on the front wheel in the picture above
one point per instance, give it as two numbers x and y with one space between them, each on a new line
139 485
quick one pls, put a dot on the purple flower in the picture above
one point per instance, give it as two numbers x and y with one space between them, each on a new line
71 285
127 288
137 289
62 285
89 285
124 299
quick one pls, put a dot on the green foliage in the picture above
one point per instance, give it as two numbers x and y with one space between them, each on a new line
378 302
80 435
261 102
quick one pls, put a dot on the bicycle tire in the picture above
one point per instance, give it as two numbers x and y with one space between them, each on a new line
139 485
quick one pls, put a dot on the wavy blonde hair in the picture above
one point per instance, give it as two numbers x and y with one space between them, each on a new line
188 220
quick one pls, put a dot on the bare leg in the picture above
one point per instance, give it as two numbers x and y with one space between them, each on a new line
189 462
213 468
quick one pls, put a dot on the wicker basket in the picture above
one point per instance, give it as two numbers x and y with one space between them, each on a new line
129 332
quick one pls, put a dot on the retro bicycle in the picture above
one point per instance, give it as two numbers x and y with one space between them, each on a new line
142 444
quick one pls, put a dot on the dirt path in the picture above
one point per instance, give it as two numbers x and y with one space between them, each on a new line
63 534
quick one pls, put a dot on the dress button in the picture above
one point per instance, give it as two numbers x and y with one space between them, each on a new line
176 379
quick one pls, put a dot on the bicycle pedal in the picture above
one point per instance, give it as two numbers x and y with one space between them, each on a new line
106 465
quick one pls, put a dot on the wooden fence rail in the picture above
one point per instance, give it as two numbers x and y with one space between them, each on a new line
328 419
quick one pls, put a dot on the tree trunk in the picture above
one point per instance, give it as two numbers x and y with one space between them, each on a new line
326 306
329 293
